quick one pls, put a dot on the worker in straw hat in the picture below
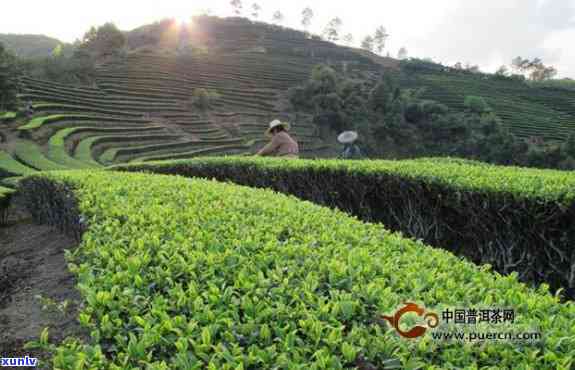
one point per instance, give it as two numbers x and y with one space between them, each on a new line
350 149
281 144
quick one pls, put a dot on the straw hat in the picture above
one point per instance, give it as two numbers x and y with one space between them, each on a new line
347 137
276 123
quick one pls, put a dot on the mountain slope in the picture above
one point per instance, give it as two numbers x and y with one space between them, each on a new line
30 46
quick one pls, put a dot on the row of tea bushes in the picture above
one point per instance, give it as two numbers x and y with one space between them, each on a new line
5 197
196 274
516 219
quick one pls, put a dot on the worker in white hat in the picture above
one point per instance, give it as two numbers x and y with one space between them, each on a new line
350 149
281 144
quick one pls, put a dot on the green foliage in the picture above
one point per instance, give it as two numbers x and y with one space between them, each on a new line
6 116
5 198
31 154
565 83
204 99
514 204
9 166
8 83
167 279
38 122
102 41
76 69
58 153
476 104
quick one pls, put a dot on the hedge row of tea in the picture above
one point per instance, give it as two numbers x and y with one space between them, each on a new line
514 218
5 196
192 274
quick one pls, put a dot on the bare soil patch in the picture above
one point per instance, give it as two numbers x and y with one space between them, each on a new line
32 265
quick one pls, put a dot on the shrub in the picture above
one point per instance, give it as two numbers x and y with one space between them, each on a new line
430 107
476 104
5 197
199 274
203 99
514 218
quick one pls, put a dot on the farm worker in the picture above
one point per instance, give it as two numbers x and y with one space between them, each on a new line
281 144
350 149
29 108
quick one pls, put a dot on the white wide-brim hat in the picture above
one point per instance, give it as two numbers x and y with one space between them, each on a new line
347 137
276 123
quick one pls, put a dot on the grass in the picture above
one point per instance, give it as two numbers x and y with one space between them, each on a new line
200 274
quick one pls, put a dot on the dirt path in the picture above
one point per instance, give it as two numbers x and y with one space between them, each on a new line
32 265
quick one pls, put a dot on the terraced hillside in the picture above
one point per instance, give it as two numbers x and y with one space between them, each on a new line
528 111
139 106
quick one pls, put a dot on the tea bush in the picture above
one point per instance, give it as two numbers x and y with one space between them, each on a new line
514 218
194 274
5 197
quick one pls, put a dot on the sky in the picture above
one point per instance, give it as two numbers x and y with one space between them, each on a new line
487 33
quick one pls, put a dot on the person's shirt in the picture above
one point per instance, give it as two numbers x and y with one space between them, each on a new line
281 145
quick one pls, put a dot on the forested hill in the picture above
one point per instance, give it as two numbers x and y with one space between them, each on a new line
31 46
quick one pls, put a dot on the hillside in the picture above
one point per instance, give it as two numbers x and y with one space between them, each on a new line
139 105
138 108
547 112
30 46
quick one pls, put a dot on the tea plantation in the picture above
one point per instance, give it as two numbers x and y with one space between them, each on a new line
528 111
192 256
200 274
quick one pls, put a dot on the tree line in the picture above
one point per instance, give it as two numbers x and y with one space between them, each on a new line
332 31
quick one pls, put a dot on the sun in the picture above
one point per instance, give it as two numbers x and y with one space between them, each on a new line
183 19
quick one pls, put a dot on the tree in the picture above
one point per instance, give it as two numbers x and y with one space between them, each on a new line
458 66
348 39
472 68
331 31
8 82
203 99
380 38
307 15
502 71
367 43
476 104
103 41
535 68
278 17
256 8
237 6
542 72
402 53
